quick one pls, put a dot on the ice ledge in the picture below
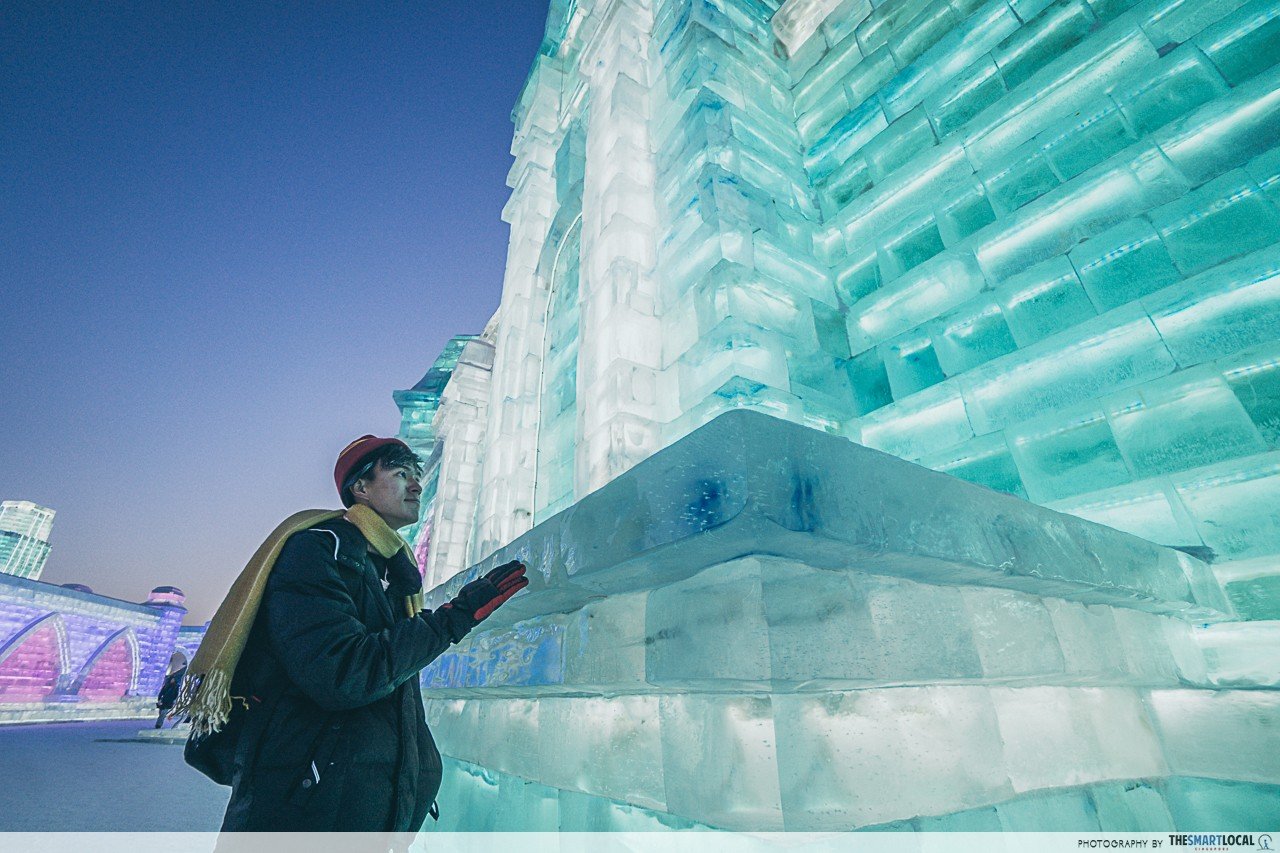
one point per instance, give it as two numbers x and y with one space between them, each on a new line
749 484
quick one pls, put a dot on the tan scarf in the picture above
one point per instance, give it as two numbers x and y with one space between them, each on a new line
206 693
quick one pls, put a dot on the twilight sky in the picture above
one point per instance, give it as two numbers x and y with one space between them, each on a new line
228 231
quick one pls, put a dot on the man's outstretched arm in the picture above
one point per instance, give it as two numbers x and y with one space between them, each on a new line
325 649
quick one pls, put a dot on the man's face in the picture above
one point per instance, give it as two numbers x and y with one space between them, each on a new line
393 493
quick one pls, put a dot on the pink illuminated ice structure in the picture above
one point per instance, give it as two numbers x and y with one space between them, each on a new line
30 672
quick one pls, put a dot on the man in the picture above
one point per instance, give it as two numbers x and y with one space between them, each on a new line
169 693
334 736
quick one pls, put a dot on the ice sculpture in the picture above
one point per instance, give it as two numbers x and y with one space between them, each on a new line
67 653
766 627
1030 245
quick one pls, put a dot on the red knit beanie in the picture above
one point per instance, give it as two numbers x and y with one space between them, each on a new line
354 455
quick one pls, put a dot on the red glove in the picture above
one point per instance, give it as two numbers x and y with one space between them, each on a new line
484 595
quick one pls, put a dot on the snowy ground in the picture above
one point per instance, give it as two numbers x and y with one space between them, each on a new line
69 777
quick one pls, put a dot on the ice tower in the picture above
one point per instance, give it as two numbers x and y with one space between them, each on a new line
1034 247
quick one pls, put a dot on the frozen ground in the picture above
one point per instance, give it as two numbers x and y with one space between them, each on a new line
71 777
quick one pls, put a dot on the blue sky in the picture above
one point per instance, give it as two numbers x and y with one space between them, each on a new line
227 233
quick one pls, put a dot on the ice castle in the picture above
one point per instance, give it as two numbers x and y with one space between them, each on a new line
856 364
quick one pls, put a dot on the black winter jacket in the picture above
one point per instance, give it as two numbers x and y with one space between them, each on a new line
170 689
336 738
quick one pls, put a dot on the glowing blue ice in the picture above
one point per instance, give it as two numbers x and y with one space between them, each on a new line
1031 245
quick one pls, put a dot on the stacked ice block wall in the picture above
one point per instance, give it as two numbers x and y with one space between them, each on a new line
578 394
763 627
505 504
750 311
454 464
1033 245
1053 230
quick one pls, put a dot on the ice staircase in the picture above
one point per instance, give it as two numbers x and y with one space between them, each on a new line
764 627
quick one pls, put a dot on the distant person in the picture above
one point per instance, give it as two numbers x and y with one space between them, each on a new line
169 694
304 694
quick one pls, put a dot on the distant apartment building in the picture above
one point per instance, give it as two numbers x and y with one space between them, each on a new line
24 538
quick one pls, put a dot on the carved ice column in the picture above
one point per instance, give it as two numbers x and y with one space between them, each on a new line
621 399
505 507
460 427
750 316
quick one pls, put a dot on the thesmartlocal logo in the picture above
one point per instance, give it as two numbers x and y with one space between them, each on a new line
1218 841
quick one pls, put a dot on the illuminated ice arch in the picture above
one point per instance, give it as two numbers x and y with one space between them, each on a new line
34 661
111 672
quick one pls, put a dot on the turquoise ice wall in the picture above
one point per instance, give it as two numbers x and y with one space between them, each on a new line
1033 245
